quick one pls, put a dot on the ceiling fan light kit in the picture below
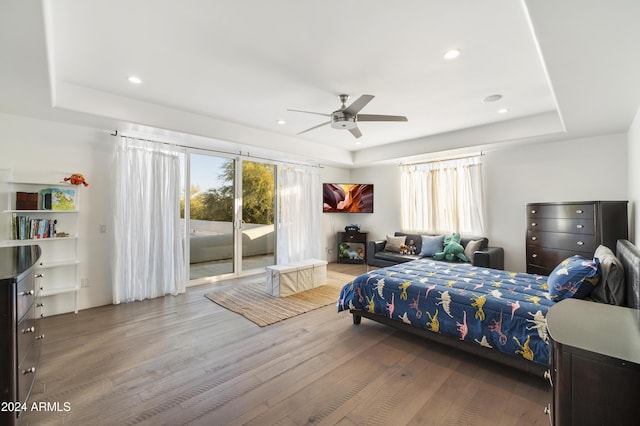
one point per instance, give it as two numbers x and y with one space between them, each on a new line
339 120
347 117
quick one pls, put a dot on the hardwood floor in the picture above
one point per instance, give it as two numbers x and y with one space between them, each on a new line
185 360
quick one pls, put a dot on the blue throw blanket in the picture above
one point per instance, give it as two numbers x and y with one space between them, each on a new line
496 309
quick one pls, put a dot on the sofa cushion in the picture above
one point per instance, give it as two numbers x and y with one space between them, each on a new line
471 248
395 257
394 243
431 244
467 239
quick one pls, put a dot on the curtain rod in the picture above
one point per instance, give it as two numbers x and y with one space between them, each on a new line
447 158
248 154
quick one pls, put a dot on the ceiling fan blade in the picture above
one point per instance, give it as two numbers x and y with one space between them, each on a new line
375 117
315 127
358 104
355 132
310 112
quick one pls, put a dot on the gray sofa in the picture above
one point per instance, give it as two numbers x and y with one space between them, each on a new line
377 256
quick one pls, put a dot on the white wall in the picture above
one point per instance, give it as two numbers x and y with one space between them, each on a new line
573 170
38 150
386 200
332 223
598 168
45 151
633 142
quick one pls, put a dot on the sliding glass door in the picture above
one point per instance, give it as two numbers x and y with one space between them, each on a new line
211 216
231 212
258 215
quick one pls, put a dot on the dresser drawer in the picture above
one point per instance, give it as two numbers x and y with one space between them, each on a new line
560 211
538 270
26 331
542 260
561 241
25 295
26 373
569 226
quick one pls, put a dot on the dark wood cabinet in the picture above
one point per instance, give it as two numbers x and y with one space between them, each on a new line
595 363
556 231
352 246
20 336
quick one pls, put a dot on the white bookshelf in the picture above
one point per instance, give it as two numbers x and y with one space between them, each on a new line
57 272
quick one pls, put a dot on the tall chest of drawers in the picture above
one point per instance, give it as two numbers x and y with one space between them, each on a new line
19 333
556 231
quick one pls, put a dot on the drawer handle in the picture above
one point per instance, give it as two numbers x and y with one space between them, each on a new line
547 411
28 330
39 275
40 337
579 226
533 212
39 305
534 238
31 370
534 255
28 293
547 375
579 211
534 224
580 243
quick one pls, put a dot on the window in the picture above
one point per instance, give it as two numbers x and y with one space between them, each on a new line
443 197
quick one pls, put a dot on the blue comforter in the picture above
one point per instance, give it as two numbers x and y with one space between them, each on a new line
496 309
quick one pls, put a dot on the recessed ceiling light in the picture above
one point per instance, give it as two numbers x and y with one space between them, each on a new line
135 79
503 111
281 122
491 98
451 54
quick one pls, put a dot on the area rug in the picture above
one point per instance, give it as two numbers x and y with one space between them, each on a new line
253 302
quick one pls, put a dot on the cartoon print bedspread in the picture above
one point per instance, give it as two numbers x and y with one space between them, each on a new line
493 308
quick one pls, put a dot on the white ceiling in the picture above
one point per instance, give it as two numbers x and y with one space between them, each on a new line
230 70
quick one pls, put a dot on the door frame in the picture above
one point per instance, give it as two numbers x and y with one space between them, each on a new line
237 215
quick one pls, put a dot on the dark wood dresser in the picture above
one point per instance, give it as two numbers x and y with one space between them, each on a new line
556 231
19 334
595 363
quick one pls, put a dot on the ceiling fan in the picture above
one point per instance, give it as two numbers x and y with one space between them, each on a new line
347 117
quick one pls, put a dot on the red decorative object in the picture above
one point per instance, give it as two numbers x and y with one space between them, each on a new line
76 179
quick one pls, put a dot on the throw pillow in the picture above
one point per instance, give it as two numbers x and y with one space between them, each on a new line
611 287
472 247
573 277
394 243
431 244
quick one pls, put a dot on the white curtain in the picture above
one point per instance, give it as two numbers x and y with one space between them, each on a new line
148 237
443 197
299 210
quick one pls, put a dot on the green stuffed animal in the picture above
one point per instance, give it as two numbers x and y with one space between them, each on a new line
453 250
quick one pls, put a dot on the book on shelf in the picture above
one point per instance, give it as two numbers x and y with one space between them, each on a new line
27 228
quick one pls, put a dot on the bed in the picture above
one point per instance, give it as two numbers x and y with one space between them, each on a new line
490 313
